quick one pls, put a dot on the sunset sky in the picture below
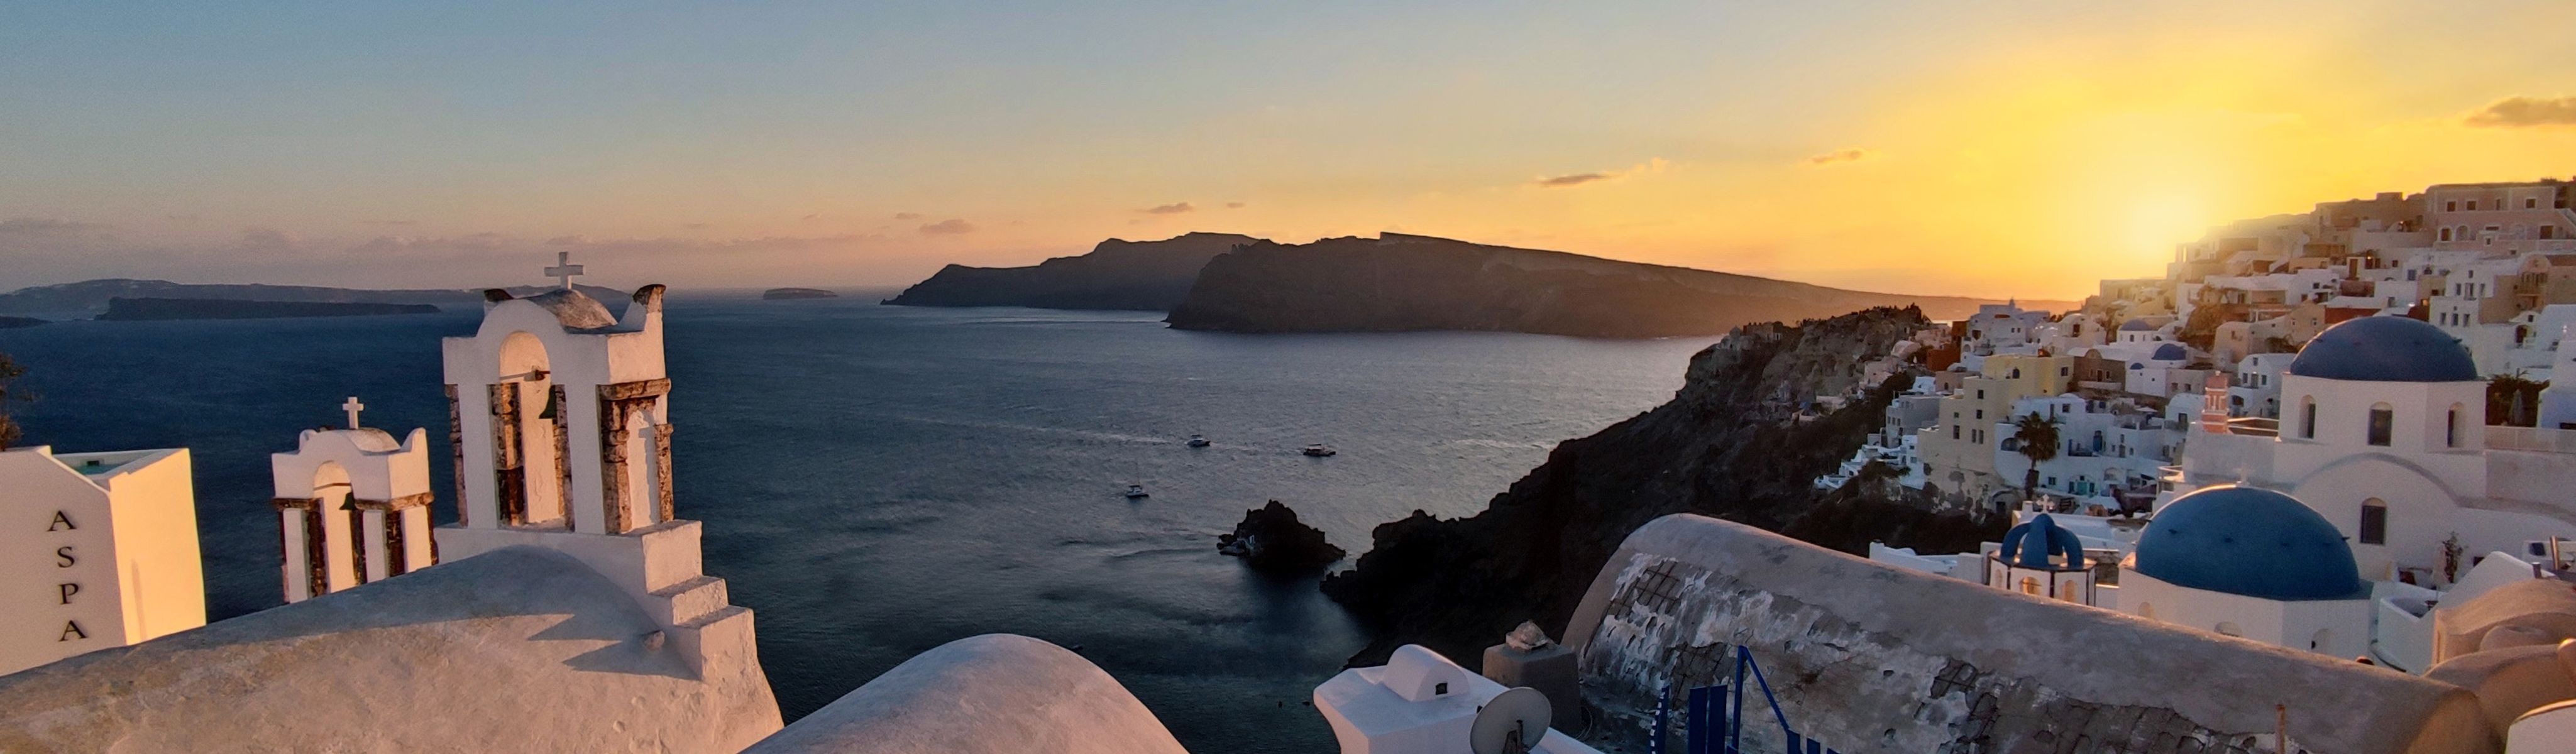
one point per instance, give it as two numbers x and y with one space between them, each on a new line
1987 148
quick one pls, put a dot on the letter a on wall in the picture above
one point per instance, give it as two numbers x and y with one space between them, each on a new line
71 630
62 522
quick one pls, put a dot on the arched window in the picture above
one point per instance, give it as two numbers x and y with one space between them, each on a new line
2374 522
2147 610
2383 424
2029 585
2307 417
2321 640
2451 428
2446 234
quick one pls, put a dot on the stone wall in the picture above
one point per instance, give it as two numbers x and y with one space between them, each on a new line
1869 658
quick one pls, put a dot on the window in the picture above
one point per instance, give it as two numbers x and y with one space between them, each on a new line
2451 428
2383 422
2307 418
2374 522
2016 374
2530 204
2450 206
1981 413
1954 431
2029 585
1981 394
2446 235
1439 689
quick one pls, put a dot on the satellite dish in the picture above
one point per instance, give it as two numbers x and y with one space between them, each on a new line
1510 724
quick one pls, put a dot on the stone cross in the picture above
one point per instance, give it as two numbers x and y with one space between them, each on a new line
353 407
564 269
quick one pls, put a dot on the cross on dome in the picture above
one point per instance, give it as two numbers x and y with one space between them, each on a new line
353 407
564 269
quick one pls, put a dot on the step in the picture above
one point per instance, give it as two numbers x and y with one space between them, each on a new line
689 600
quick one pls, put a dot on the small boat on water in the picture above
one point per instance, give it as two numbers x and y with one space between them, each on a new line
1198 441
1135 491
1319 450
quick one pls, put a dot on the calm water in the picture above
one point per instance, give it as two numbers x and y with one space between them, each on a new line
877 480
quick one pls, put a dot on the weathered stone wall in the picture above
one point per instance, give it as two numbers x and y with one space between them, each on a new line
1869 658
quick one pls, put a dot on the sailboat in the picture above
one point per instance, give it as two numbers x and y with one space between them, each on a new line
1135 491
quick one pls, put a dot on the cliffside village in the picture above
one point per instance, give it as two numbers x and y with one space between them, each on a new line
2308 493
2366 387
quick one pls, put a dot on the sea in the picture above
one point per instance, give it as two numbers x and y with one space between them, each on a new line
877 480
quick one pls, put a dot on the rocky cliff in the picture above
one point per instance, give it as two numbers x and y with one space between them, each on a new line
92 296
1400 282
145 309
1117 274
1734 443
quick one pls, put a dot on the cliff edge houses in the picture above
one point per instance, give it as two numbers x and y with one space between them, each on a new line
2332 542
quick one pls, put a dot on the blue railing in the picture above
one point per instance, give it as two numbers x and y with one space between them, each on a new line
1715 715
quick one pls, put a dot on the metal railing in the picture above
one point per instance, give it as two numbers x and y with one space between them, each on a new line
1715 715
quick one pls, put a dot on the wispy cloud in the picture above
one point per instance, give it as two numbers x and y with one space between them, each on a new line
1577 179
2525 112
694 226
32 226
949 227
907 215
1656 165
1169 209
1234 205
1841 156
389 222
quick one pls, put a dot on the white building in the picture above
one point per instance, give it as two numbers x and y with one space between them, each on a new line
2252 563
1417 703
353 507
103 550
2255 389
2383 433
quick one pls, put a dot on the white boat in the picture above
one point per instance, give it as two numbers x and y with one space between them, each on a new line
1319 450
1136 491
1198 441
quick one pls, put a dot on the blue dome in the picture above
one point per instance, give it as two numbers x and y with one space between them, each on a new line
2251 542
2041 543
2136 325
2171 352
2385 349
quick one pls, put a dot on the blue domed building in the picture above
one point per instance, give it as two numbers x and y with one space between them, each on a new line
2042 559
2253 563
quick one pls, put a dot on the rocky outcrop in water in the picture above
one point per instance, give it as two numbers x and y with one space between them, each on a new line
1272 540
1736 442
145 309
9 322
1151 275
1399 282
785 294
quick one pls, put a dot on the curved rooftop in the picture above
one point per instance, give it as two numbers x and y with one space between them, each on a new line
518 649
2041 543
2136 325
577 311
2171 352
2251 542
989 694
2385 349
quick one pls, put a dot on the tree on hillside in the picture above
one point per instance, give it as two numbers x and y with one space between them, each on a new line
9 374
2037 436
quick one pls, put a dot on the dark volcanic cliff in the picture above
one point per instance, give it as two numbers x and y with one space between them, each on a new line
1117 274
92 296
146 309
1730 444
1400 282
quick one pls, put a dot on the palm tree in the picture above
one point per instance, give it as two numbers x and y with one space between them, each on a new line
2037 436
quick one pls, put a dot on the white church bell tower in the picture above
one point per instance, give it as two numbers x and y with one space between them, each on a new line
559 414
353 507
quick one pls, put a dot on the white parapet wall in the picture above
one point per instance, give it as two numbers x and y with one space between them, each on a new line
1869 657
107 552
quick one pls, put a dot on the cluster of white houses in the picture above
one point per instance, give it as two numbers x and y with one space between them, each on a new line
2293 438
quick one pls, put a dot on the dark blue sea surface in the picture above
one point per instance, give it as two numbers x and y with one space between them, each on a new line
877 480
